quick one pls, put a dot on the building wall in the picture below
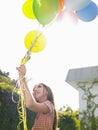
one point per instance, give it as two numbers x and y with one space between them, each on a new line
83 95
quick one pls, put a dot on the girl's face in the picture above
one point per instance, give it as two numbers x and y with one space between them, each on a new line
40 93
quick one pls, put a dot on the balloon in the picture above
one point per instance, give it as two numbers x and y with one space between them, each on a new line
40 42
61 4
88 13
45 10
76 4
27 9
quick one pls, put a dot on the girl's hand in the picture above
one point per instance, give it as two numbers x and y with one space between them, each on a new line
22 70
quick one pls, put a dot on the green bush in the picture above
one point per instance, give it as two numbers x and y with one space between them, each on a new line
9 116
68 120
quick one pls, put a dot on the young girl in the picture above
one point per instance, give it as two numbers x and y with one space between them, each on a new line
41 101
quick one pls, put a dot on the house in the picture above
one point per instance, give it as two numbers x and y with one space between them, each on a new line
85 80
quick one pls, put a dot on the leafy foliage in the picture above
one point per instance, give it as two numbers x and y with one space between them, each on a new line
9 117
88 118
6 74
68 119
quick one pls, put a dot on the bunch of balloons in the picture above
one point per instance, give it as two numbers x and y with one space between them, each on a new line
42 10
45 11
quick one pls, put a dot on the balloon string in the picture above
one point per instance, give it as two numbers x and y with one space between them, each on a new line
28 54
22 109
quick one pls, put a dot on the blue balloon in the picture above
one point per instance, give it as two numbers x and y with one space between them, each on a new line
88 13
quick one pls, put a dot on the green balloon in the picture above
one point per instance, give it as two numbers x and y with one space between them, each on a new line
45 10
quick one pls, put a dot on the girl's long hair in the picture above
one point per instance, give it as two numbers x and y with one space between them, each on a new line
51 99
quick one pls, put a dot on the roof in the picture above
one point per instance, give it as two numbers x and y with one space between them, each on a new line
81 75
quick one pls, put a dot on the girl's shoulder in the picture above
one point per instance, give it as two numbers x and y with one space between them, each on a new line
50 105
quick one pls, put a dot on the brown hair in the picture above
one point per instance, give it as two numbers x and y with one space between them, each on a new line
51 99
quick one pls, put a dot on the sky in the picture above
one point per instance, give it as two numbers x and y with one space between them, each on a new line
69 45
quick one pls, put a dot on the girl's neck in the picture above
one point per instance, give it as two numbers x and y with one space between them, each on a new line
42 99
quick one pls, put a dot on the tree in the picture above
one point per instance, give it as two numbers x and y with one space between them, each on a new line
68 119
9 116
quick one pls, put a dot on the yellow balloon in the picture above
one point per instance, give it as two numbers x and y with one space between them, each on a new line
28 10
35 38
